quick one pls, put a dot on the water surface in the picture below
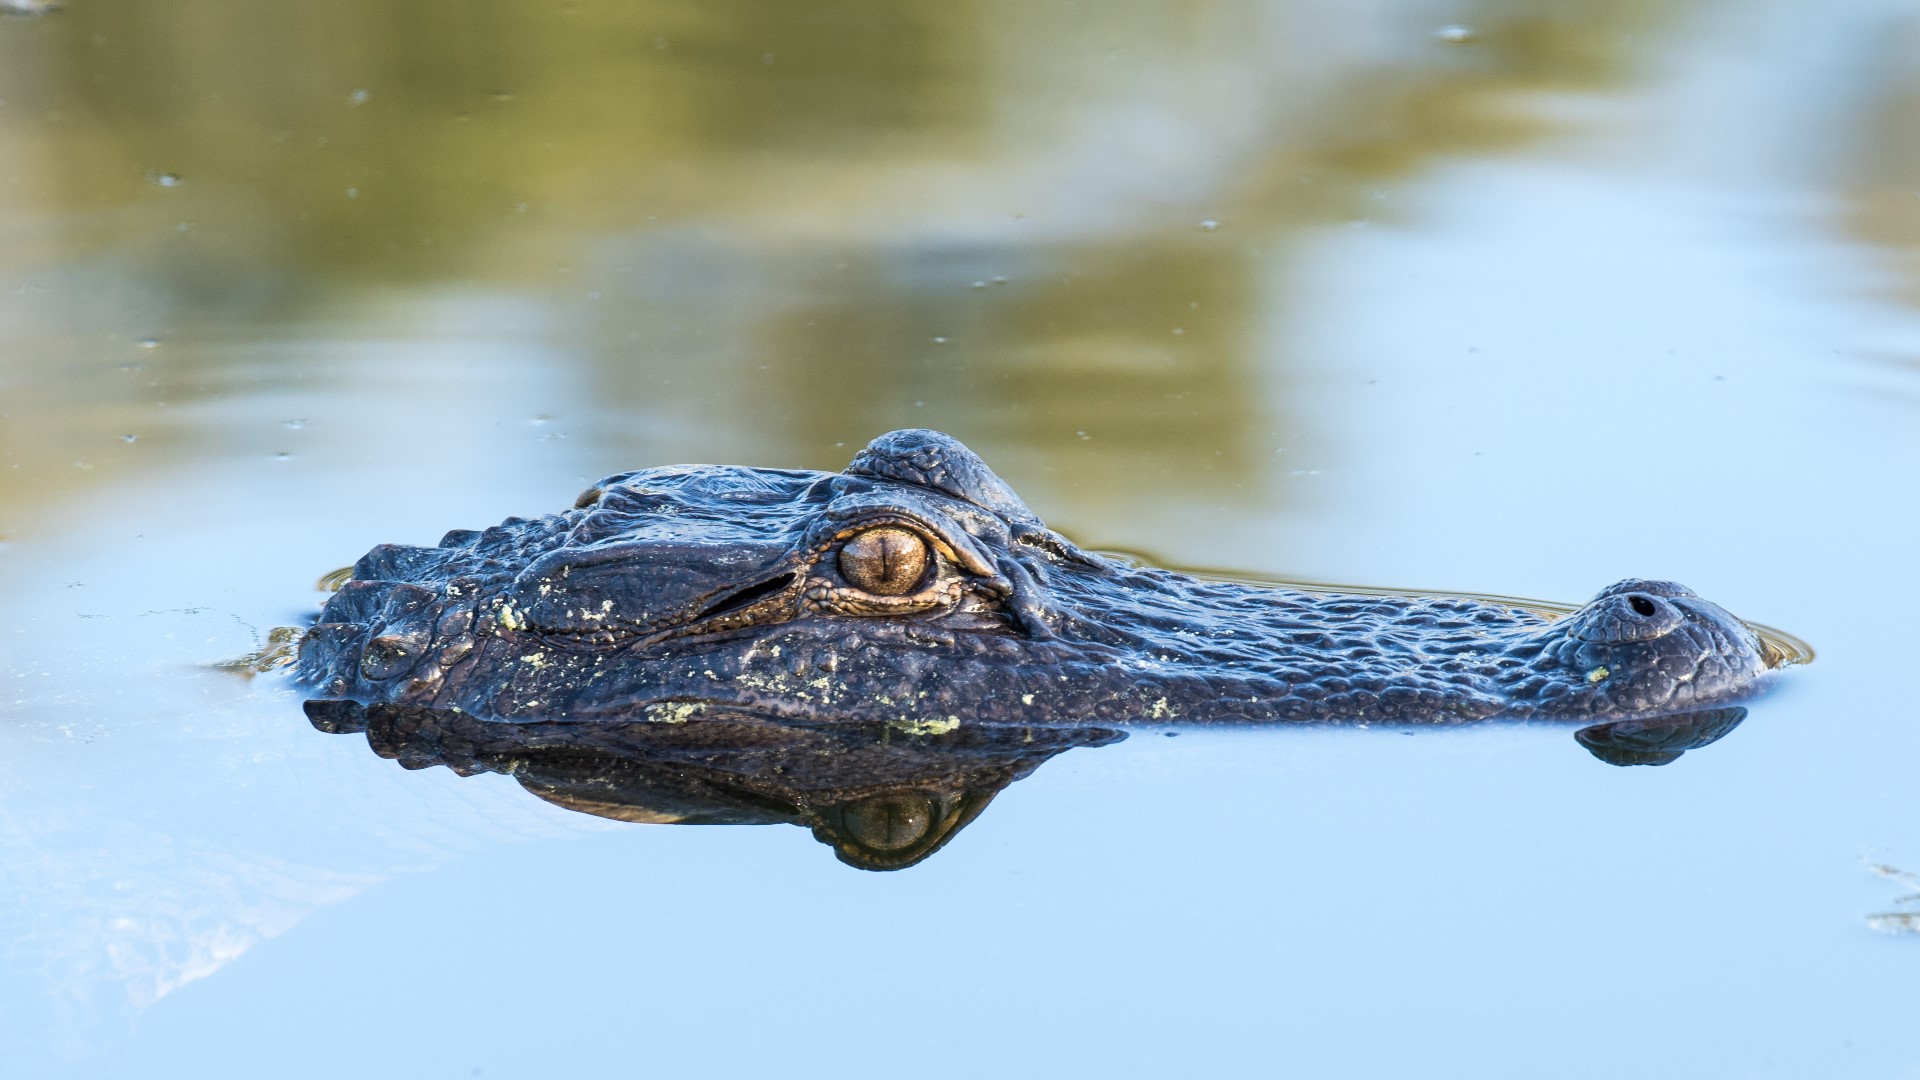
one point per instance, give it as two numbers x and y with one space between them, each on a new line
1314 290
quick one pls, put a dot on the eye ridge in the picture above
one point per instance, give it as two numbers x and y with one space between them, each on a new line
887 560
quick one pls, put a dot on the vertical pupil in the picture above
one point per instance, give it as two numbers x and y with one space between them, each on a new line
885 551
891 557
888 560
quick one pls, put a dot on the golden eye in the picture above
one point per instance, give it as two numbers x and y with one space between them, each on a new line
887 561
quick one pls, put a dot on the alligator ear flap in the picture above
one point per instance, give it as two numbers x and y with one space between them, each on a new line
1023 600
940 463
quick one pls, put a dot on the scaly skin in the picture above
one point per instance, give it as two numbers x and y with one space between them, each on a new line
673 592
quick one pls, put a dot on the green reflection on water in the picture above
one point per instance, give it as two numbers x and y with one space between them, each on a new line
764 215
394 139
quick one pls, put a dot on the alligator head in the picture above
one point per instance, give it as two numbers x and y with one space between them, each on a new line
915 589
883 800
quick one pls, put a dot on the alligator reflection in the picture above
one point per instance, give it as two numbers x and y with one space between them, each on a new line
883 797
1658 740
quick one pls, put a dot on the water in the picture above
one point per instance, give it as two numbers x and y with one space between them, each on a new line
1621 289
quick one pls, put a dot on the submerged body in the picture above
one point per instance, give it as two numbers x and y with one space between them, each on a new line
916 589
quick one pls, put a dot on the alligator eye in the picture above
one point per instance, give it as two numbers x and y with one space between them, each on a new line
887 561
889 823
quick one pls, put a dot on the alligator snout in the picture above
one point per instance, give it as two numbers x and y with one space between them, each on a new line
1643 647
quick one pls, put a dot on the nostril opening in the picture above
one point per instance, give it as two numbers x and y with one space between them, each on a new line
1641 605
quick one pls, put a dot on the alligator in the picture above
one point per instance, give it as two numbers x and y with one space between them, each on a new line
880 798
915 589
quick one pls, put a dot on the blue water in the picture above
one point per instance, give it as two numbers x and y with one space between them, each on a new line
1527 313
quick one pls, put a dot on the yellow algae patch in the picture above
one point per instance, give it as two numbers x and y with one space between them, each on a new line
929 726
675 712
1161 710
1598 674
535 659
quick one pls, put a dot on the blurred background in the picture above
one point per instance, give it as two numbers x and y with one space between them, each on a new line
1514 296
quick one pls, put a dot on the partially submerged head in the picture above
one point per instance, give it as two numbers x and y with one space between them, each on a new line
915 588
1639 648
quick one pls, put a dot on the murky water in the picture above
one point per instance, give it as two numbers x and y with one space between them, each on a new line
1505 297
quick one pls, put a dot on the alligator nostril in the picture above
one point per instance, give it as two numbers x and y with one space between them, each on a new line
1641 605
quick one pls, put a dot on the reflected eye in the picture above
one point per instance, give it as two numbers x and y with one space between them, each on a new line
887 561
889 823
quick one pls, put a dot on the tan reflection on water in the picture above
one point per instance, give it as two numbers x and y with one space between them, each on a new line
1056 234
1885 181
